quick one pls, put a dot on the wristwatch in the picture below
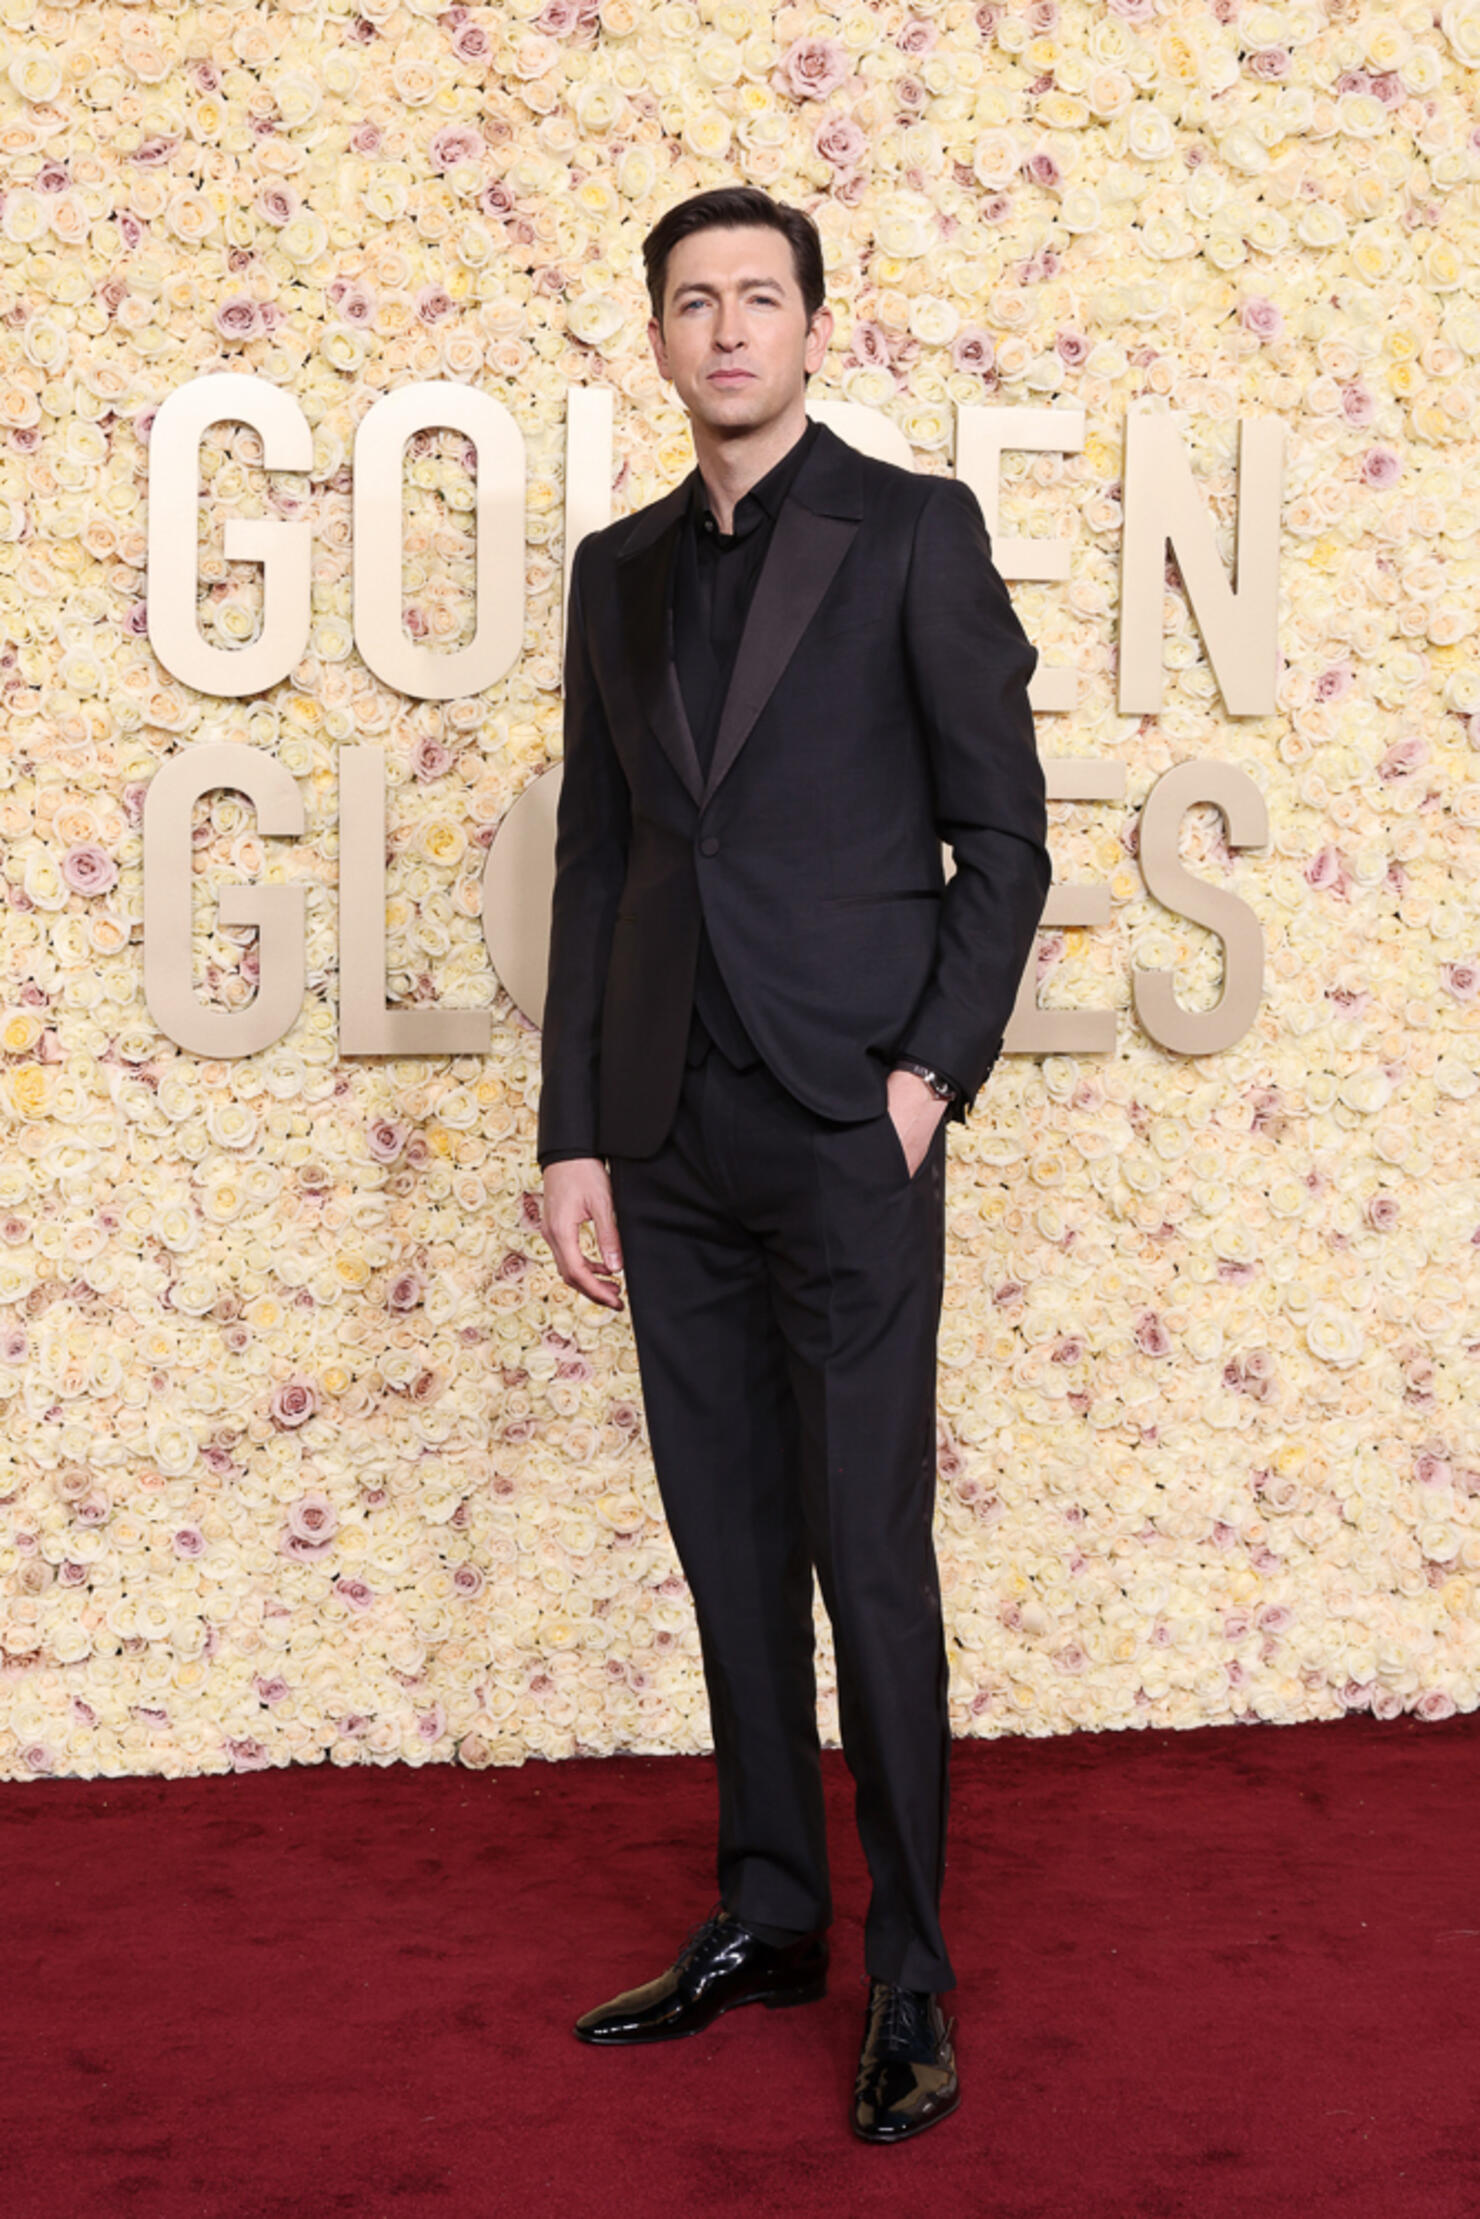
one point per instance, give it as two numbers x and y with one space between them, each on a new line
942 1088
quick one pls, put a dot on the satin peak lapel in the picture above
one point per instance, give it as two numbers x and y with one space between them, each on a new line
642 571
809 539
801 563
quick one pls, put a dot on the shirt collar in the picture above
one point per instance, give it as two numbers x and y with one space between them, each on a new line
767 493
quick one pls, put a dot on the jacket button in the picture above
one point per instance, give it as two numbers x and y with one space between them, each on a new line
709 845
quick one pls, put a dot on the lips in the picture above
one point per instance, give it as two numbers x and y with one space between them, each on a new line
730 377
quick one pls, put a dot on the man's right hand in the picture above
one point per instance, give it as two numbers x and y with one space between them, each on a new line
577 1192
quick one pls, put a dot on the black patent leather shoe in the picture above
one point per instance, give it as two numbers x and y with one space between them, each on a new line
907 2067
720 1965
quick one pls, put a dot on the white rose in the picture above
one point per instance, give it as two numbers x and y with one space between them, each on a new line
1460 23
933 321
1148 132
1334 1336
35 75
596 318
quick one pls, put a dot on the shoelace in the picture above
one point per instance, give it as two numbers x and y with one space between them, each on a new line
904 2017
699 1934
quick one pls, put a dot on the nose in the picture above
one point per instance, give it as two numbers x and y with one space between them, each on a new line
727 330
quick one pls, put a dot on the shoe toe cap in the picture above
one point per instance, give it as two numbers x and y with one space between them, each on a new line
902 2097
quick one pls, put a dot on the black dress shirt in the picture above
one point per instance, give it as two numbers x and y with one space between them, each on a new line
712 583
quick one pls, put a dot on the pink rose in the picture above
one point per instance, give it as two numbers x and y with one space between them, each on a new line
1042 168
189 1541
1327 869
871 345
239 318
405 1291
294 1402
973 349
355 1593
813 68
917 35
839 140
89 869
1404 757
386 1138
1462 980
431 758
1380 468
356 307
313 1518
433 302
1151 1336
455 142
278 203
471 43
468 1580
1262 317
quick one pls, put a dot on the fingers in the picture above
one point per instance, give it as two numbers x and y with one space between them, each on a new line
604 1219
578 1193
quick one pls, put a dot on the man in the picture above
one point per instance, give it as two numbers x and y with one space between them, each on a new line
786 683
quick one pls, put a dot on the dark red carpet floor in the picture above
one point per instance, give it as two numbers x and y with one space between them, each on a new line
1225 1974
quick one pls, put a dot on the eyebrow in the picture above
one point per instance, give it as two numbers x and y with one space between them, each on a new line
695 285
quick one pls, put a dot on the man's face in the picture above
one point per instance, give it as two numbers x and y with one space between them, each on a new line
734 337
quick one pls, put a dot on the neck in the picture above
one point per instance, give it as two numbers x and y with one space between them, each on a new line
730 463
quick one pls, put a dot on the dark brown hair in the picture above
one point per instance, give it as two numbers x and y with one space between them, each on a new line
732 208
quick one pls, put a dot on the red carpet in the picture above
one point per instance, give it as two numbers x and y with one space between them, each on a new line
1224 1974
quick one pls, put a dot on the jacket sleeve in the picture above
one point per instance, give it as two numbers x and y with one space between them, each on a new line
970 662
592 834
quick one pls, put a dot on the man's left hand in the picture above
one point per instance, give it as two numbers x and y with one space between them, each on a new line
916 1112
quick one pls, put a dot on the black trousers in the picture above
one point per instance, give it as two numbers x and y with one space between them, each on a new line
785 1276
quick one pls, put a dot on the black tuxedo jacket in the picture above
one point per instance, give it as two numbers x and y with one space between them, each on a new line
878 706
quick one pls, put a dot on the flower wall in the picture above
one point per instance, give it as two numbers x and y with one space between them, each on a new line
305 1446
